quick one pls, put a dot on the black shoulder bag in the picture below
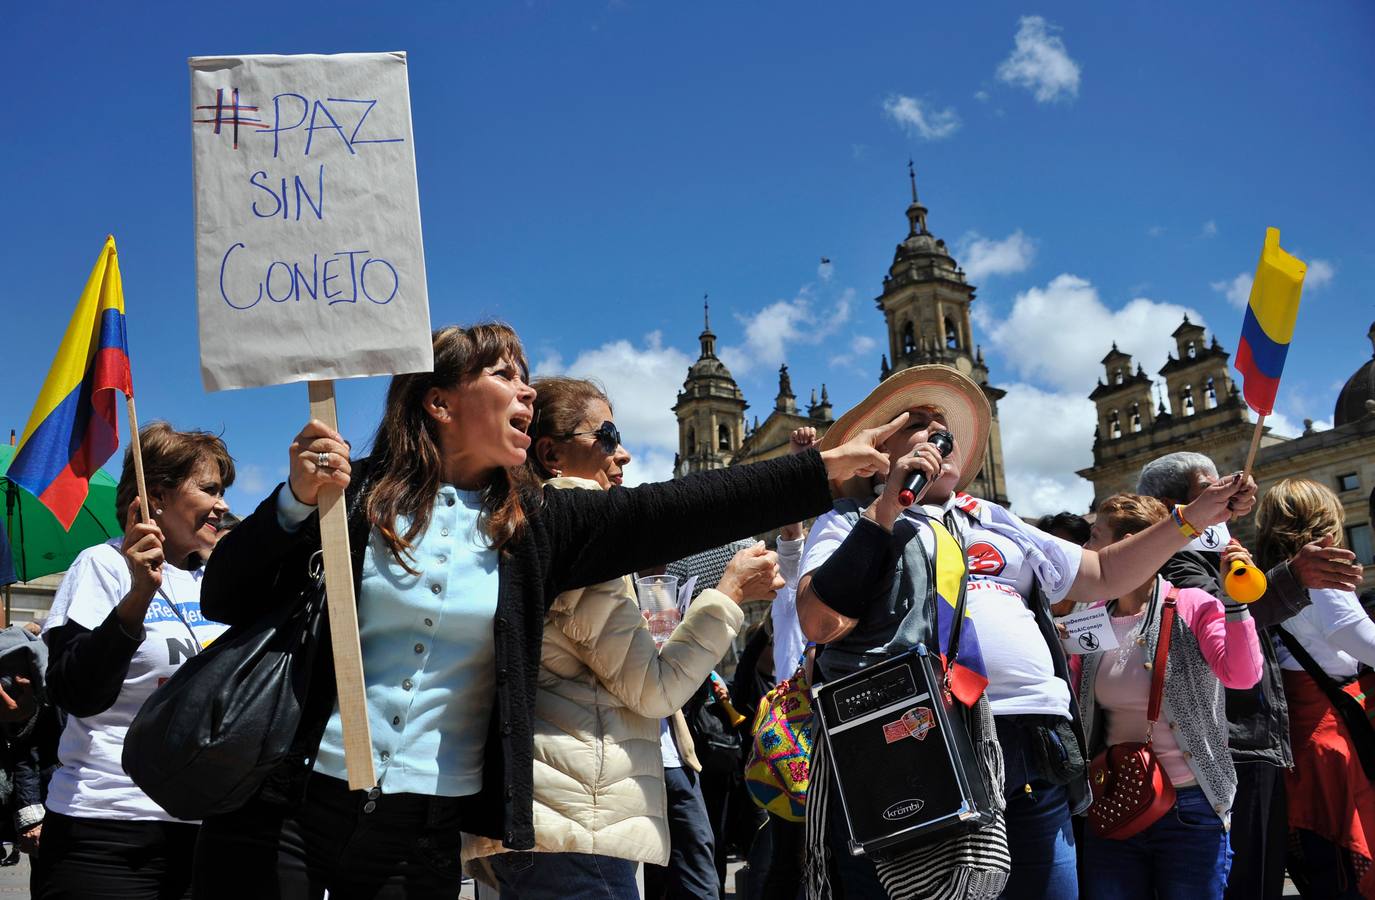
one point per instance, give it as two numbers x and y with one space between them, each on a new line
205 741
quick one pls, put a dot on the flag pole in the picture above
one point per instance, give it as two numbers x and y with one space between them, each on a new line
1255 445
137 450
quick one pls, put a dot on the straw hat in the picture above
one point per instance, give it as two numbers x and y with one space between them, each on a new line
967 413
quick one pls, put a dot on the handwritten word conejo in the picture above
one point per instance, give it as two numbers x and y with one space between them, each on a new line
345 276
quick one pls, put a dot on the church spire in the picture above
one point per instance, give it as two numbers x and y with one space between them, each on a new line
707 338
916 213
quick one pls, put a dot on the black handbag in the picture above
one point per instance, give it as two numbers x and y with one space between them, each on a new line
206 739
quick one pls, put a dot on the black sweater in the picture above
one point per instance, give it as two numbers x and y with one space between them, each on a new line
573 539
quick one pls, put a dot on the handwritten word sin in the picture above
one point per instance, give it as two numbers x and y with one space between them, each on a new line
282 201
343 117
341 277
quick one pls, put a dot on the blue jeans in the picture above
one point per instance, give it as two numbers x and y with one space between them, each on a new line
691 870
560 876
1039 826
1183 856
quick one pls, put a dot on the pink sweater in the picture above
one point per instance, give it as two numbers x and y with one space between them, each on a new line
1230 647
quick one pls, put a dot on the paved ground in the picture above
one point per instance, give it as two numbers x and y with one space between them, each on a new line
14 882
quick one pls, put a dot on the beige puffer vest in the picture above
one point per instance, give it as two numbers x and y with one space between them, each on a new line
603 687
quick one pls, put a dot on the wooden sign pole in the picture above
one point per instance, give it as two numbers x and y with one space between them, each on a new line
343 613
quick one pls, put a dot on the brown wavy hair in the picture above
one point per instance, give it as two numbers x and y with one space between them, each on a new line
560 406
1295 512
406 465
169 458
1131 513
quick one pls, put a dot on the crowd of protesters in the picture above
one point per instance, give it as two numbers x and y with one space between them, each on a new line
528 729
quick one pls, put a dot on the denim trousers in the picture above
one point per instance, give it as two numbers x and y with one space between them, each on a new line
691 870
1040 830
1185 855
562 876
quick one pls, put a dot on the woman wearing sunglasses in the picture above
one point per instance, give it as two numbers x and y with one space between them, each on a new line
458 554
603 685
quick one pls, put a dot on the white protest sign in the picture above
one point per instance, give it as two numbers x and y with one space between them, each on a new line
1090 631
309 264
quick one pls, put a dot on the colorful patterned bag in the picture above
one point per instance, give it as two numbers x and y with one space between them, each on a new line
779 767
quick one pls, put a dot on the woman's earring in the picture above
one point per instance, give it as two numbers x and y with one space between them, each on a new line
157 512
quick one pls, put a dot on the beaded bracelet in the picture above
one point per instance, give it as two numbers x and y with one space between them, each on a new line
1177 514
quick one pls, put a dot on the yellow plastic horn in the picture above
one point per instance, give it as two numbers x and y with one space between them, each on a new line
1244 584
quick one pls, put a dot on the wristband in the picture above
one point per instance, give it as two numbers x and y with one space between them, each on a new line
1177 515
858 571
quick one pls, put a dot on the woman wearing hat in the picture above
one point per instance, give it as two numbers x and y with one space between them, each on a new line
850 600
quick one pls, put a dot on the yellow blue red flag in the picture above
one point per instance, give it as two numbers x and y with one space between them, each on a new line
72 429
1269 324
968 674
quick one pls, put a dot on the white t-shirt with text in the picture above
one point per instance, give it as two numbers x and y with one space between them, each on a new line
91 782
1021 674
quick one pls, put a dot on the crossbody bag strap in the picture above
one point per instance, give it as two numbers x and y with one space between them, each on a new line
1162 654
1329 685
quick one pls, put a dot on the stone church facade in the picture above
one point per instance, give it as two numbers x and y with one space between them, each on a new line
925 303
1207 415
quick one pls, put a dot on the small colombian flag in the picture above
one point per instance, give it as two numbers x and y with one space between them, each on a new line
72 429
968 674
1269 324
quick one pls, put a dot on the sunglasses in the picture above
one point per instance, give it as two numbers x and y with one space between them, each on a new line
608 437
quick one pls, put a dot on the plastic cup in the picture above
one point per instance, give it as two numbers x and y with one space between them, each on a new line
659 602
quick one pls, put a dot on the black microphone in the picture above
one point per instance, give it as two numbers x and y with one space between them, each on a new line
916 481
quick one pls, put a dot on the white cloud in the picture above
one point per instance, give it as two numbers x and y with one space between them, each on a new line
1047 435
650 466
981 96
1209 229
772 330
981 257
1237 290
1282 425
861 345
642 382
1155 231
1040 63
251 483
1058 334
919 119
1320 274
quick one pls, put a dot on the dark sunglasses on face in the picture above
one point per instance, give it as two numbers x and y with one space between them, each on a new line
608 437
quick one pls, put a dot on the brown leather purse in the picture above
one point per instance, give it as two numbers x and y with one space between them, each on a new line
1131 790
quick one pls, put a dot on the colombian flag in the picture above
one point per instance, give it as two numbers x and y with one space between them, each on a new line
968 676
72 431
1269 324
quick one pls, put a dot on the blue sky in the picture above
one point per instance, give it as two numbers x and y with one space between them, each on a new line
588 170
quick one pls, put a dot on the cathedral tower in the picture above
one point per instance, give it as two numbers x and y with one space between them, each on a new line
1124 401
925 304
710 410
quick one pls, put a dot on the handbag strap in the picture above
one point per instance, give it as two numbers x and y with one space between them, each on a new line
1329 685
1162 653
